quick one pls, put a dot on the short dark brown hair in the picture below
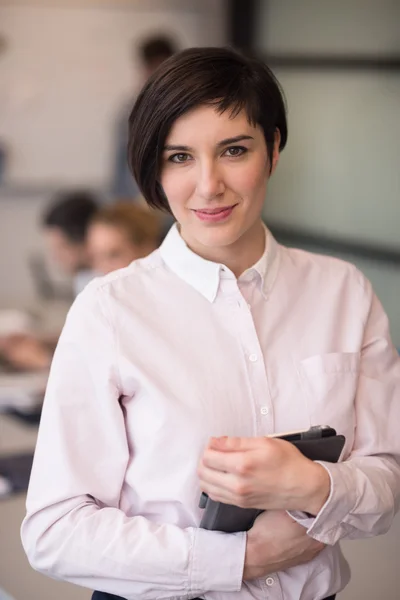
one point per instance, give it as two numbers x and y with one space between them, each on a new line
220 77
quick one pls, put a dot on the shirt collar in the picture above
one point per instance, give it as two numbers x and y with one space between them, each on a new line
205 275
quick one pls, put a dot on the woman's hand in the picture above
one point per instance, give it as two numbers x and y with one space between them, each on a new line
265 473
276 543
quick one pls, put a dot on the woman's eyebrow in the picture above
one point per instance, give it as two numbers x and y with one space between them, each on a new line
225 142
179 148
233 140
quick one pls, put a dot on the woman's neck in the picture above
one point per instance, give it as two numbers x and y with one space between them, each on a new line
239 256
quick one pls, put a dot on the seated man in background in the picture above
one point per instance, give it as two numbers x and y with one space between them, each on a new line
65 223
121 233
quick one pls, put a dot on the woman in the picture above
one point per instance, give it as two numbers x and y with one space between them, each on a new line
121 233
220 332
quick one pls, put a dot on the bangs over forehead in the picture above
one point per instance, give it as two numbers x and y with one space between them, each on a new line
247 105
195 77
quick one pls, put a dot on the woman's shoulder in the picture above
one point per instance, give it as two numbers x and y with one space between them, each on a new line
132 274
126 283
323 268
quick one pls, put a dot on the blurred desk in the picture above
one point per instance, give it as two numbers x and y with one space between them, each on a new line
16 575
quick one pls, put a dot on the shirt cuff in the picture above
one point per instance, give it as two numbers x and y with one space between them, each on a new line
217 561
327 525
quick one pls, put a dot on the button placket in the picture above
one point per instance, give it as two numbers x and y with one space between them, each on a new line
246 331
257 376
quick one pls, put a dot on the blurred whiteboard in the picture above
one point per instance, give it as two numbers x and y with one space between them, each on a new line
67 73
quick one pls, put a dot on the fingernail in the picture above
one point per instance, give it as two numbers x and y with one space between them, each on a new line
219 440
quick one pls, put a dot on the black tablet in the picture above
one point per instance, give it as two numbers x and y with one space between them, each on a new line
316 443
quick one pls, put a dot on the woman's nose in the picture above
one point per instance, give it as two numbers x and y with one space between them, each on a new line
210 182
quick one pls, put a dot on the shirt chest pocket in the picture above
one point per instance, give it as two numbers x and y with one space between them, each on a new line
329 383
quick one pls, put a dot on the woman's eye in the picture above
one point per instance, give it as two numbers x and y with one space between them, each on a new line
235 151
180 157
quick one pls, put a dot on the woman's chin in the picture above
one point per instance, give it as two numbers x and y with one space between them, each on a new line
217 236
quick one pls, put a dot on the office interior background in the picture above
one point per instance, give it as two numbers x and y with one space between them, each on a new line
66 68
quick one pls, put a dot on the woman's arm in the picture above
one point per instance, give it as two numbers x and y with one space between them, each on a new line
353 499
74 528
365 489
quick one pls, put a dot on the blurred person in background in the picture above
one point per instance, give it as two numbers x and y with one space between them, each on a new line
152 52
65 224
121 233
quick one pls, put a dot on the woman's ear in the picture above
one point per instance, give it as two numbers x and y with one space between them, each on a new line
275 152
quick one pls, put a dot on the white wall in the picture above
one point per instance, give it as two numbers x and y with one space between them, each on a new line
68 70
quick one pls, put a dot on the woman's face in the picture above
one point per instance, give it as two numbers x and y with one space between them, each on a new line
110 248
214 173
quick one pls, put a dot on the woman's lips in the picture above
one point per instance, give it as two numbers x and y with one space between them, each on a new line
214 215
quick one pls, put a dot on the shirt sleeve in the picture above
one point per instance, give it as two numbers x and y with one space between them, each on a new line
365 488
74 529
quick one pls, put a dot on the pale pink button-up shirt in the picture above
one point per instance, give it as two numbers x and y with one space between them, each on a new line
156 358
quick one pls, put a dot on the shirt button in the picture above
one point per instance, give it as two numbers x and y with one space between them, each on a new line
264 410
253 357
270 581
